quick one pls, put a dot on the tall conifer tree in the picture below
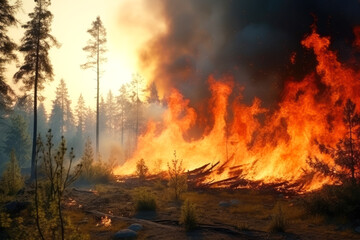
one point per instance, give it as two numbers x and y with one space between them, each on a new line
36 68
96 50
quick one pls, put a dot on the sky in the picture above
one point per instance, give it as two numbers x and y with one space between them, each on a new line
179 44
129 25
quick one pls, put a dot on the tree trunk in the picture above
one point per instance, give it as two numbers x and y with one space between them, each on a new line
33 154
97 96
37 202
122 127
352 168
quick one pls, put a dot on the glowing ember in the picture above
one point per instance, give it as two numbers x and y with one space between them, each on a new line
272 150
71 202
105 221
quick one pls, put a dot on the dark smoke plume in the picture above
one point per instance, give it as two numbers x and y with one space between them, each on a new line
251 40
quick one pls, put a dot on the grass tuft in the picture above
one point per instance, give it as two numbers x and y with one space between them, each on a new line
145 201
278 221
188 216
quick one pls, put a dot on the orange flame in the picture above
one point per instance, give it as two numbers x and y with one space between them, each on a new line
105 221
310 111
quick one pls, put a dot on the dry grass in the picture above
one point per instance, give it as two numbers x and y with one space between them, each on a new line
278 222
255 212
87 225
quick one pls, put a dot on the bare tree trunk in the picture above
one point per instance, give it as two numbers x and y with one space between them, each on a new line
97 95
122 127
60 215
352 168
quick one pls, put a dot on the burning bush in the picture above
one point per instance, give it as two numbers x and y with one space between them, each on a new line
141 169
178 179
188 216
346 154
339 199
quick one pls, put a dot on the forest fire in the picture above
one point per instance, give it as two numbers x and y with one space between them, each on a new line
272 149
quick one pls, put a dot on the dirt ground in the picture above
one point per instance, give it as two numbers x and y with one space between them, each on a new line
249 217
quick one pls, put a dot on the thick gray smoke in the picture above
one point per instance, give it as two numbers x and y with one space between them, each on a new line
251 40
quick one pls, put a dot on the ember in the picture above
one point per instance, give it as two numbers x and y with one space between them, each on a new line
105 221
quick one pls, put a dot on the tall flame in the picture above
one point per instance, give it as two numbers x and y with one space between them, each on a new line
275 149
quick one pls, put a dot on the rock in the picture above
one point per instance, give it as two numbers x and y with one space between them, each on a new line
357 229
224 204
125 234
340 228
135 227
234 202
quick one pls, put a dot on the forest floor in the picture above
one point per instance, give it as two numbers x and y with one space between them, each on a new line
222 214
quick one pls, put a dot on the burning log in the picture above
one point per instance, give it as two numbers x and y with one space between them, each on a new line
197 176
200 178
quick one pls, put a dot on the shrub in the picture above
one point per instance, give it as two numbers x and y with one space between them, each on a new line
12 181
145 201
188 216
331 200
346 153
278 222
141 169
58 173
94 171
159 185
178 179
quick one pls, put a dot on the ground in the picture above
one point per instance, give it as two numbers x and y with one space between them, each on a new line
248 218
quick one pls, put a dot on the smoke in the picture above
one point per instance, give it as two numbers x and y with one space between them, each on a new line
250 40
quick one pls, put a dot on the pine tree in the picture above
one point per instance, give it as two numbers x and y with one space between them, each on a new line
80 113
136 89
12 180
61 119
42 120
89 122
96 49
18 140
124 105
37 68
111 113
88 158
346 154
103 115
24 107
7 47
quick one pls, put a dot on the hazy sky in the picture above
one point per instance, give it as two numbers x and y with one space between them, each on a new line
129 24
